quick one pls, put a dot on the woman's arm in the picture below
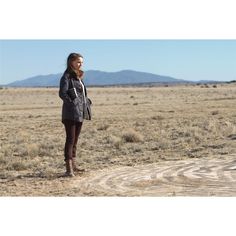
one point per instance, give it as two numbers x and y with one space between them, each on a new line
64 86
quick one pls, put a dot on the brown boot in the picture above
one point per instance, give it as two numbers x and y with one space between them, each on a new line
74 166
69 168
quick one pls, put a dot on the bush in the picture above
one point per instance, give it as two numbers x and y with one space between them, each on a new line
33 150
132 136
103 127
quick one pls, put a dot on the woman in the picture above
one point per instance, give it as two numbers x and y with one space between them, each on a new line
72 109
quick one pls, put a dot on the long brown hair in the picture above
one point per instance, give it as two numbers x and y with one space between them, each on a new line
73 56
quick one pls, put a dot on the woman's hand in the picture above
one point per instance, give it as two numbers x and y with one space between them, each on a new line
76 101
81 74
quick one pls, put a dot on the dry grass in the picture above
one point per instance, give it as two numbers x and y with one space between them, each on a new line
130 126
132 136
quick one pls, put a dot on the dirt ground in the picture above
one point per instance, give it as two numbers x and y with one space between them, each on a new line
142 141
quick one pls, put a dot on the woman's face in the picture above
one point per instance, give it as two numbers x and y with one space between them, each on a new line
77 63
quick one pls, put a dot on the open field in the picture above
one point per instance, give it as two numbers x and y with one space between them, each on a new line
147 141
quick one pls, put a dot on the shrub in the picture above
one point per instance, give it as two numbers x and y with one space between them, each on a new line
33 149
46 148
132 136
103 127
18 166
157 118
116 141
215 113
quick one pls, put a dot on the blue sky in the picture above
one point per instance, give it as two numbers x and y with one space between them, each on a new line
181 59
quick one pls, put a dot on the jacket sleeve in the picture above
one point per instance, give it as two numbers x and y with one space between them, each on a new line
64 86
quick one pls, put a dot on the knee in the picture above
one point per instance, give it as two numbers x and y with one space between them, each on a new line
70 140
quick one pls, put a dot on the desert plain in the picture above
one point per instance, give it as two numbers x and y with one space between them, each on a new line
142 141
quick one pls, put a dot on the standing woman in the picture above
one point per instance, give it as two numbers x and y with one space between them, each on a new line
72 109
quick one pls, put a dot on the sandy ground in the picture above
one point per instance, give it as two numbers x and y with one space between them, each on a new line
205 177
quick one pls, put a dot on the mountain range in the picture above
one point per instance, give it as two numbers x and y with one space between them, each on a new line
100 78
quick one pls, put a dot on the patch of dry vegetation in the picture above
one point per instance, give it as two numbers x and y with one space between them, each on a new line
132 136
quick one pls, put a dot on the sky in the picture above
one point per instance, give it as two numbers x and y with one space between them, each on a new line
182 59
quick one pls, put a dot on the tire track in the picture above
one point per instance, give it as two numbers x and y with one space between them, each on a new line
195 177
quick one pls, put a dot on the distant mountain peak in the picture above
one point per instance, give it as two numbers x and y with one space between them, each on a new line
99 78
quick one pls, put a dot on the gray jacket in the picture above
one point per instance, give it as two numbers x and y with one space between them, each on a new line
71 110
